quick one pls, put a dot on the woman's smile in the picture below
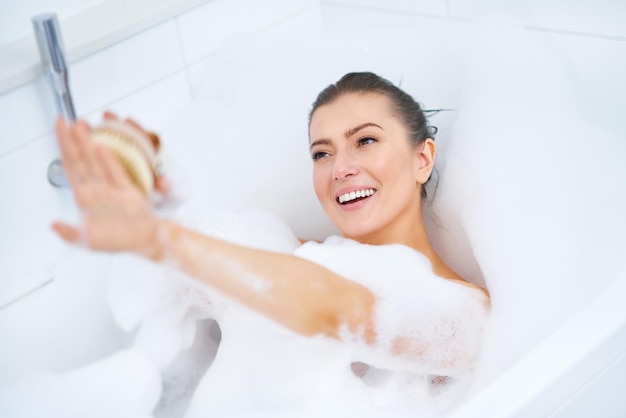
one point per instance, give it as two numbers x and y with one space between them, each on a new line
352 198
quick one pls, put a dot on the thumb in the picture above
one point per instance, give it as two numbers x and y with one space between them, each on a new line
67 232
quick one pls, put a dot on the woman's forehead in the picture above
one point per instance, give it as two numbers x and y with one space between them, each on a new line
350 110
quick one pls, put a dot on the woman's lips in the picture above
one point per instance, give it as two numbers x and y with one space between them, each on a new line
354 197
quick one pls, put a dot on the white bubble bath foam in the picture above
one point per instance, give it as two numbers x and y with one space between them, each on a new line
527 200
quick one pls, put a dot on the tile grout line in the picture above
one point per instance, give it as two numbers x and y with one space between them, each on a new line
465 19
575 33
396 11
24 144
26 294
185 60
287 17
137 90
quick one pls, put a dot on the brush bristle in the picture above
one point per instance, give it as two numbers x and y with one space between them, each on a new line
130 156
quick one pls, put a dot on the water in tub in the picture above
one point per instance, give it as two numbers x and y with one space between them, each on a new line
515 192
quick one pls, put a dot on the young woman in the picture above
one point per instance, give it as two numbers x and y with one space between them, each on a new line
373 153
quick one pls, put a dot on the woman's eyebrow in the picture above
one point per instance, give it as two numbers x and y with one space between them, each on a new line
347 134
356 129
320 142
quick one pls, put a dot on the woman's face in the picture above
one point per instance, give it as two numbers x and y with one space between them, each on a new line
366 173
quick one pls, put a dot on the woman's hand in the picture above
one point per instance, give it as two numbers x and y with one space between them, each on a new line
115 214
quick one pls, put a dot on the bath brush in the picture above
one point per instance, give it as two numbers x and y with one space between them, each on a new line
138 152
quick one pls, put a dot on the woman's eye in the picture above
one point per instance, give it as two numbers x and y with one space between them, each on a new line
319 155
366 141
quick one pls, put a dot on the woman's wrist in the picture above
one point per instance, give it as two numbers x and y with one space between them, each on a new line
156 248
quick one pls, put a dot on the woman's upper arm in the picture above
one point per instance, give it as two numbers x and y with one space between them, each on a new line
419 320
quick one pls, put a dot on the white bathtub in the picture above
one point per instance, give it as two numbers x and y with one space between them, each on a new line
578 371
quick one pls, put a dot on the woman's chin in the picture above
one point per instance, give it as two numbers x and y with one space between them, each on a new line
357 233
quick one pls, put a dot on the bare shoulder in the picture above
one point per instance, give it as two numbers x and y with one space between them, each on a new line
447 273
304 241
464 282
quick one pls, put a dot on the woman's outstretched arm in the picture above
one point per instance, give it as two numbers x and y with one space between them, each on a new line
301 295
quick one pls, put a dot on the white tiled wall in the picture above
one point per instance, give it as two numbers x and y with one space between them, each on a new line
602 17
418 7
212 26
154 73
15 16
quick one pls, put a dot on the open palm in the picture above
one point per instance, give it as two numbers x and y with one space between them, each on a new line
115 214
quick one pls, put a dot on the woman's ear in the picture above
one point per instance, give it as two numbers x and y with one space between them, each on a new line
425 154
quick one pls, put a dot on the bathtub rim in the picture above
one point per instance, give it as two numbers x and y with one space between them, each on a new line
559 367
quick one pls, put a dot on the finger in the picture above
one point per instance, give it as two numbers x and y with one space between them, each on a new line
156 141
162 185
113 170
95 171
84 175
69 151
108 115
67 232
154 138
134 124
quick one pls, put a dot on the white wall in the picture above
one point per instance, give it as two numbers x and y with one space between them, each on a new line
15 16
152 74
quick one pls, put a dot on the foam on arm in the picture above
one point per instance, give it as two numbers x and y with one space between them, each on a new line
421 322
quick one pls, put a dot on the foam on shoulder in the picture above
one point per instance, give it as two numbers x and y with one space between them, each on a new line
424 323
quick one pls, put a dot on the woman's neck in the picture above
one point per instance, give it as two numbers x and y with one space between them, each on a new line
413 234
409 231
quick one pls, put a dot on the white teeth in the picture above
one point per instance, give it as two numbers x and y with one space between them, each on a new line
346 197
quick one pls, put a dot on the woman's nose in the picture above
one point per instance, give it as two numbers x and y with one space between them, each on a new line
344 167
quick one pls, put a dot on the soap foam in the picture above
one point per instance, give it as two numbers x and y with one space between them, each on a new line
124 385
261 368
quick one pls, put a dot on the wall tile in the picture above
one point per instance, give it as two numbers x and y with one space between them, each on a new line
209 27
306 23
307 19
15 16
27 112
425 7
29 205
603 17
426 68
126 67
198 73
152 105
95 82
345 18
